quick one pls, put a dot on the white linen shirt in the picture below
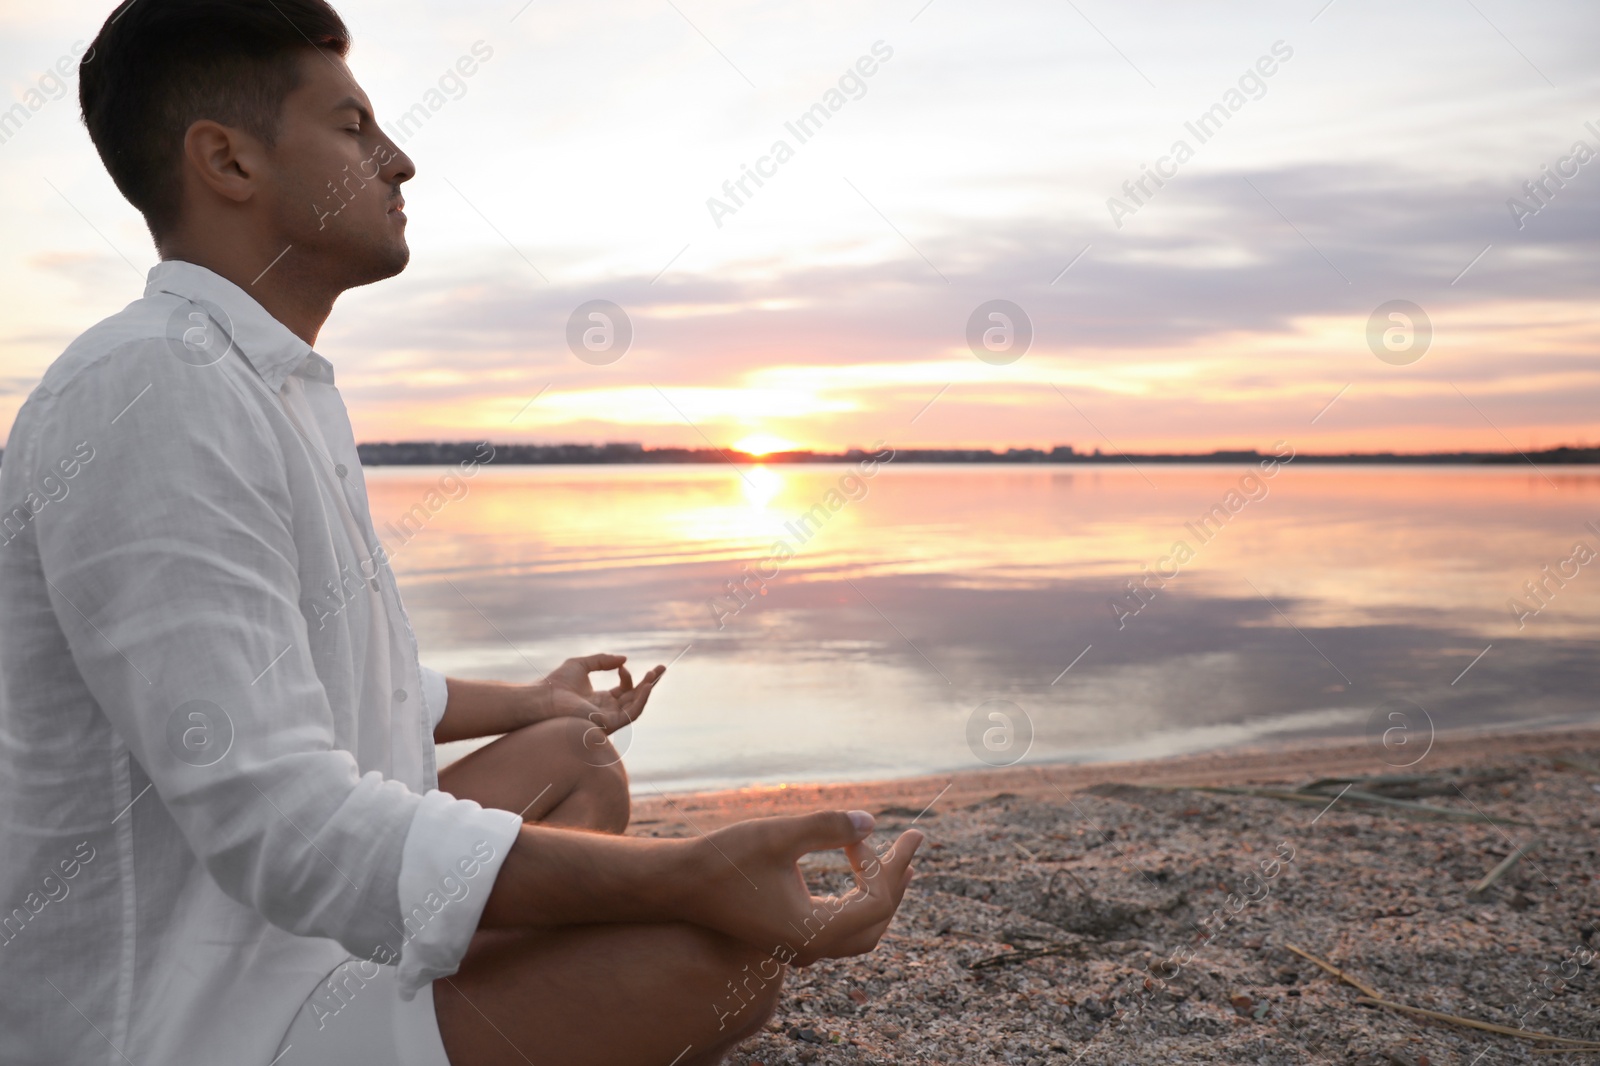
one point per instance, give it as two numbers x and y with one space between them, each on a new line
217 774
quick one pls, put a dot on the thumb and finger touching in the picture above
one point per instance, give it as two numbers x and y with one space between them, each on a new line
861 916
611 709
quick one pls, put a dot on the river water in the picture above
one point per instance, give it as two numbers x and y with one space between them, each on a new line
928 618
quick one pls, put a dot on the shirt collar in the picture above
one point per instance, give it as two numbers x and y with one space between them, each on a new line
266 343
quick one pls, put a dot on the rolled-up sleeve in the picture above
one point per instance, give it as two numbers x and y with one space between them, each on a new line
452 856
172 568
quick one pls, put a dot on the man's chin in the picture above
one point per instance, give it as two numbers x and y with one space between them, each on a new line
386 263
399 256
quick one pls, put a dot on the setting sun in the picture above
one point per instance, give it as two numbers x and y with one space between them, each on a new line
763 444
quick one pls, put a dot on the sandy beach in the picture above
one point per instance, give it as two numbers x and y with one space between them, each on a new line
1145 911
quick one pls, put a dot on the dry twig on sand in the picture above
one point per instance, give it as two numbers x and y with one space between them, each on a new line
1024 954
1374 998
1502 867
1331 968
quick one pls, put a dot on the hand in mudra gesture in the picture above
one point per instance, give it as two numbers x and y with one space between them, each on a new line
610 709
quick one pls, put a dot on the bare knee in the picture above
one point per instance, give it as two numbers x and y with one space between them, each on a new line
598 798
612 805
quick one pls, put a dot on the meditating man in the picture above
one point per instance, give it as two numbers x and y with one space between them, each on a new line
221 840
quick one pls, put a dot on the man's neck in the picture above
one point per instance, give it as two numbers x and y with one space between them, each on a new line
285 294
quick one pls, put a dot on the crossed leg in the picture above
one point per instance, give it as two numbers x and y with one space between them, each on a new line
607 995
551 773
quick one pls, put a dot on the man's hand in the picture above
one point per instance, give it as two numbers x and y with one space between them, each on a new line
743 880
489 708
752 888
571 694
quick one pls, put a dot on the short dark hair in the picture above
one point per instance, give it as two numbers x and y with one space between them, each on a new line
158 66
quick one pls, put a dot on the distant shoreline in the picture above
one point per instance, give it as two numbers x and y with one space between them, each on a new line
449 453
436 453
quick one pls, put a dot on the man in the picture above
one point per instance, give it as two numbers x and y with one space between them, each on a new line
221 833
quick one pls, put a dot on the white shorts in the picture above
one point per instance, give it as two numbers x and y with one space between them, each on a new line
356 1015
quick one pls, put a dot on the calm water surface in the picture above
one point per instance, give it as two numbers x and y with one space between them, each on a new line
921 600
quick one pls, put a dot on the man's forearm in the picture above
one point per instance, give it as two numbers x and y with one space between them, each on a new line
489 708
741 880
555 877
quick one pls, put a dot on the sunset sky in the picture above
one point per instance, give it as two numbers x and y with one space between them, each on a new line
1227 308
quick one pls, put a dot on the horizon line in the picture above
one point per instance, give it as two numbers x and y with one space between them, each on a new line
421 453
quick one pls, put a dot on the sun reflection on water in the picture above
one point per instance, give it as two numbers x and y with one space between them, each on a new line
761 486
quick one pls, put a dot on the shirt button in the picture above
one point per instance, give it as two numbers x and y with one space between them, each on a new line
400 695
340 470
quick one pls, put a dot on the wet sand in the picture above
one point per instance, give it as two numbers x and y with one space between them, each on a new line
1248 766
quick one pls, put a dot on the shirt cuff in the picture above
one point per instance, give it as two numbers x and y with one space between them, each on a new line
452 855
435 693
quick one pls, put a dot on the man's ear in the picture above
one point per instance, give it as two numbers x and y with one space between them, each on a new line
225 160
